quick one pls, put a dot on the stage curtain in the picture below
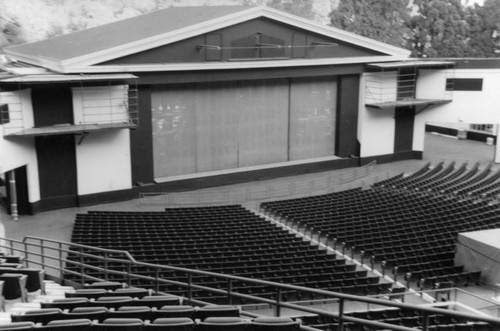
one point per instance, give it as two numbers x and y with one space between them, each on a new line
312 117
263 122
174 130
217 126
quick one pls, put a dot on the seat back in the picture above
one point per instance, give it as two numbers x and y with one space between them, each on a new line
112 302
67 325
158 301
42 316
131 292
217 311
66 303
17 326
173 312
106 285
14 286
120 324
171 324
274 324
86 293
223 324
141 312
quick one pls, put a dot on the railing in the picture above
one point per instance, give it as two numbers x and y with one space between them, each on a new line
261 192
52 256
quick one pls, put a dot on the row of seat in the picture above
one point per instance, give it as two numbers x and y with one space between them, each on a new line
167 324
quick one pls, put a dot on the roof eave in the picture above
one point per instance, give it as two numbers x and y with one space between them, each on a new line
230 65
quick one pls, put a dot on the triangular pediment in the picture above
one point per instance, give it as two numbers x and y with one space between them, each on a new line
213 36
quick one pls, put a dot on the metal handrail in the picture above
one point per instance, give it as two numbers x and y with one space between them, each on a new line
29 245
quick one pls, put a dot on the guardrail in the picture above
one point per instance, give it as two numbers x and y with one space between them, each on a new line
261 192
51 255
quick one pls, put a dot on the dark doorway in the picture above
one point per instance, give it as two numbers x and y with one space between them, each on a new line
403 138
57 171
52 106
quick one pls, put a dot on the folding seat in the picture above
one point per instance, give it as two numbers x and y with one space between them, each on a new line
273 324
223 324
14 326
67 325
141 312
107 285
133 292
95 313
158 301
112 302
120 324
42 316
66 303
171 324
173 311
86 293
35 277
14 286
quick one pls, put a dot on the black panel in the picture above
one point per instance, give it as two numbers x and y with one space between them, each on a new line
52 105
403 136
141 143
347 116
23 205
464 84
57 170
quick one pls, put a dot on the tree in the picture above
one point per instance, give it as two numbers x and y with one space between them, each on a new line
384 21
302 8
439 29
484 34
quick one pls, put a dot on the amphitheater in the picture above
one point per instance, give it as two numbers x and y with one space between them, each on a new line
370 248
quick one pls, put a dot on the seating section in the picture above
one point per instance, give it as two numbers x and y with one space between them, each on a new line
222 239
138 313
407 223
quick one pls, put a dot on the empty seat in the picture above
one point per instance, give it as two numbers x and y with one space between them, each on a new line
217 311
17 326
112 302
171 324
95 313
158 301
131 292
106 285
120 324
173 312
68 325
42 316
66 303
274 324
34 281
141 312
14 286
86 293
222 324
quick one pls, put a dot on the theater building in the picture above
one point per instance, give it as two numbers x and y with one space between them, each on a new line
191 97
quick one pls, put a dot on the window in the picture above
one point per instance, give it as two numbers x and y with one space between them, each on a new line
464 84
4 114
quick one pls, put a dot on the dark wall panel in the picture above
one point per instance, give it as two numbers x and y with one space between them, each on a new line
347 116
403 136
52 105
141 143
57 170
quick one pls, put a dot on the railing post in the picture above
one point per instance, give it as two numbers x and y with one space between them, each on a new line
278 302
425 321
190 287
341 315
106 266
82 279
42 253
229 291
129 271
60 261
157 277
26 252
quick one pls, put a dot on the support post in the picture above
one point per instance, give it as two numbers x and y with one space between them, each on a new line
13 195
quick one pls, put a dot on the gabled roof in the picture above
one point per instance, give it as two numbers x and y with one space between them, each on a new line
78 51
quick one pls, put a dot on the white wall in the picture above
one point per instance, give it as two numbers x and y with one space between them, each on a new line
16 152
375 127
103 162
466 107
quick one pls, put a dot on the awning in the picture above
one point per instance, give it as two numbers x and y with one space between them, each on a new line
411 63
69 129
51 78
420 104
